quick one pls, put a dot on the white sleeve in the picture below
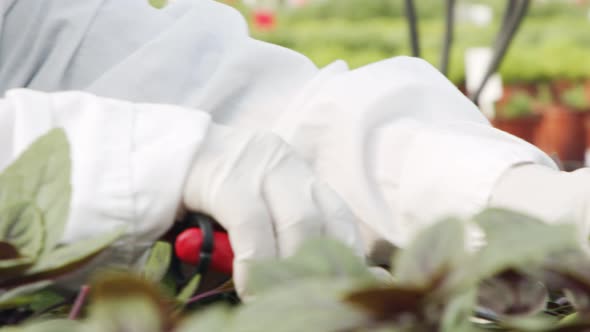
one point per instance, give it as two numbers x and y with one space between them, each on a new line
129 161
194 53
387 137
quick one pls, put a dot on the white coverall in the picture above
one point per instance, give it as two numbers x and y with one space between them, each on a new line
397 141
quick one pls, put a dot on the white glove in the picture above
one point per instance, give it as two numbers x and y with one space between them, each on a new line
548 194
401 145
265 196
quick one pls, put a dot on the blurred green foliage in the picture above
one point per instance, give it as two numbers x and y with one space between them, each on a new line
553 42
575 98
520 105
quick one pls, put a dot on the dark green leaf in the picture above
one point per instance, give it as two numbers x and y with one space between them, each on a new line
45 299
158 261
389 303
434 252
42 175
8 295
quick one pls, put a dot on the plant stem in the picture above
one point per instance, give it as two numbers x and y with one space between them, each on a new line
79 303
203 295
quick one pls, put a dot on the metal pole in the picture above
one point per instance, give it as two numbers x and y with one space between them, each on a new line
520 9
506 19
413 26
448 37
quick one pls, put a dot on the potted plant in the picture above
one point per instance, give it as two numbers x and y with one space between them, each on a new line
561 131
517 116
576 100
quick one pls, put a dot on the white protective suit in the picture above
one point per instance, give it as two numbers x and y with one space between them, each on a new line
395 139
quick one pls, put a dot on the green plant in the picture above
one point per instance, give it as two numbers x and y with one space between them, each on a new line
518 106
544 95
158 3
575 98
530 277
34 203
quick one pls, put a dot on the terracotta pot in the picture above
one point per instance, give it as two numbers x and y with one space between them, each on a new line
562 132
587 132
524 128
462 88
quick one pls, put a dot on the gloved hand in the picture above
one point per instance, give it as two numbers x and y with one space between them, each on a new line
549 194
265 196
401 145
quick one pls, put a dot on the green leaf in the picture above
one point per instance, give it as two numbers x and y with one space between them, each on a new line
458 312
158 261
66 257
126 302
45 299
54 325
389 303
316 259
42 175
10 298
9 267
126 314
187 291
434 252
8 251
158 3
571 318
570 271
216 318
22 226
307 305
515 240
512 293
11 261
530 323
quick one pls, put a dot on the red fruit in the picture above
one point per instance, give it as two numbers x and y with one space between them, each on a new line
188 248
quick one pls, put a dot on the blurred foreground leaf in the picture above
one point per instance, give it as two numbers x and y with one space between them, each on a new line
515 240
433 253
158 261
189 289
41 174
21 225
316 259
